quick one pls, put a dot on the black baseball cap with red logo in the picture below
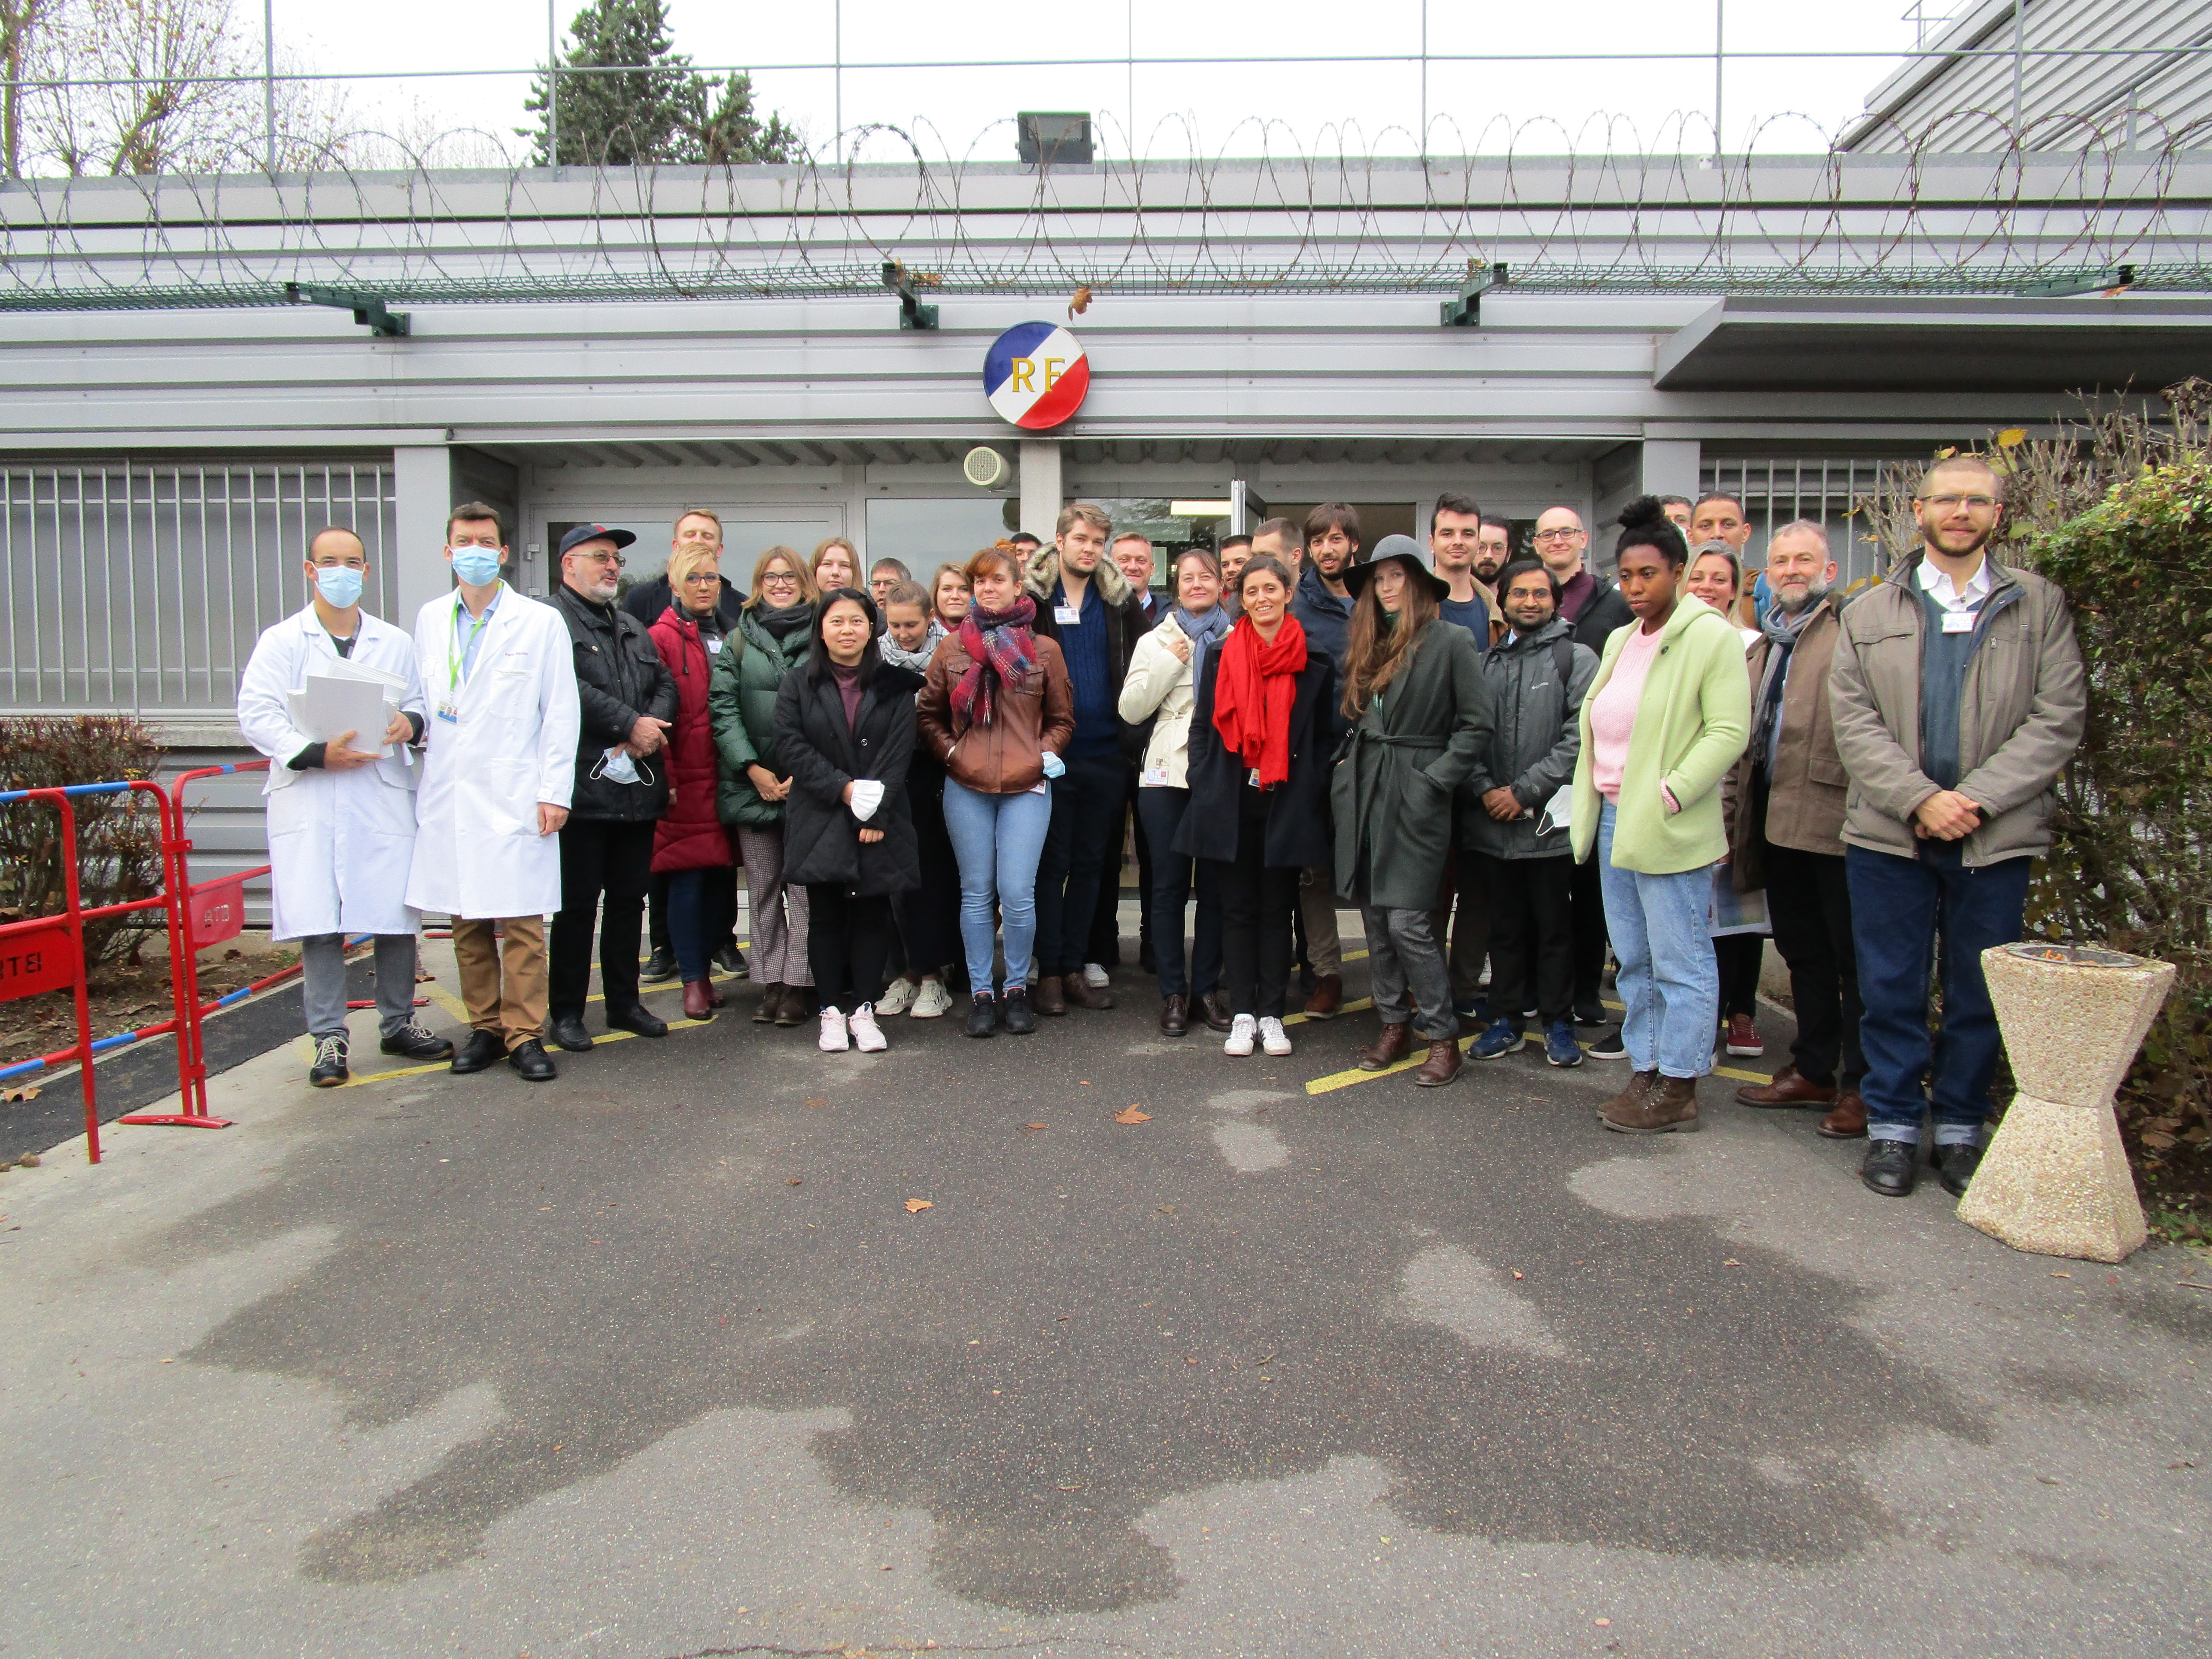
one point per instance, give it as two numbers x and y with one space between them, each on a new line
595 532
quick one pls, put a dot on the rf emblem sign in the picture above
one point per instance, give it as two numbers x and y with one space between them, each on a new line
1035 374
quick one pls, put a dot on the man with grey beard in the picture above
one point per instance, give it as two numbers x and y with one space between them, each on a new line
1785 804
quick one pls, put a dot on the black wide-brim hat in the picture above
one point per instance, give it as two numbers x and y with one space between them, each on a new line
1397 547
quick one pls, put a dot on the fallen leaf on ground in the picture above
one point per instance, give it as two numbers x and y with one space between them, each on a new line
794 1180
1518 1275
2061 1276
817 1100
916 1205
1031 1128
1133 1116
1731 1263
20 1091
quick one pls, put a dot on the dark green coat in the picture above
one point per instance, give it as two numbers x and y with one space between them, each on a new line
1391 794
747 672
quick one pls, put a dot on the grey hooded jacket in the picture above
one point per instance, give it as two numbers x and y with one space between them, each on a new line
1533 745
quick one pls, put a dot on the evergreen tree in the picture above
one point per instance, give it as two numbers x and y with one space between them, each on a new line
665 111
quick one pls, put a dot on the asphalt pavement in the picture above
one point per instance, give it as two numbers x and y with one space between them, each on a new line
719 1345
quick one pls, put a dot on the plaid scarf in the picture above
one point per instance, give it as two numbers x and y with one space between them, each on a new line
1001 652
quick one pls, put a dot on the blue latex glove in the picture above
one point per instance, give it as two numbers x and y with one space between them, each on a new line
1053 766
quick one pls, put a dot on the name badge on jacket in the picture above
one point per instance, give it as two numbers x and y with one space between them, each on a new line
1068 615
1958 621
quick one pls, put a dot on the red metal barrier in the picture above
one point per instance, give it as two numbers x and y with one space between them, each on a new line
46 953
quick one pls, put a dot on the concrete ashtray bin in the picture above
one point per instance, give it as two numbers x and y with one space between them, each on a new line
2055 1179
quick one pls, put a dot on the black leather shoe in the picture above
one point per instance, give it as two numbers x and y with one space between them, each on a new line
730 960
534 1062
568 1033
1019 1017
1955 1167
330 1067
1213 1008
660 965
982 1017
1890 1167
638 1021
412 1042
482 1051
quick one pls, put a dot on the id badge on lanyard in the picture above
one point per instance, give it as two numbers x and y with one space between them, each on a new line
450 709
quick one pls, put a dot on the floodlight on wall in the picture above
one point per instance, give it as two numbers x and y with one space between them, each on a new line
983 467
1053 137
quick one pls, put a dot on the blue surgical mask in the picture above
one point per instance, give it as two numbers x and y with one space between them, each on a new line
339 584
476 566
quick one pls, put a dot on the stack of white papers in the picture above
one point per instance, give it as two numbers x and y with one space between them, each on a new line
345 697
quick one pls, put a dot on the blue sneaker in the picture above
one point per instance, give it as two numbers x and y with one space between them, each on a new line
1560 1048
1503 1037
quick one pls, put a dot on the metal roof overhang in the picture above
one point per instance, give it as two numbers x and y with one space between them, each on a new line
2090 343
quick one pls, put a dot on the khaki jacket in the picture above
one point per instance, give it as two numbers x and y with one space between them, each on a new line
1004 757
2020 715
1804 795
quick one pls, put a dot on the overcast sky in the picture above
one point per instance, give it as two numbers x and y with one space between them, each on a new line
1210 109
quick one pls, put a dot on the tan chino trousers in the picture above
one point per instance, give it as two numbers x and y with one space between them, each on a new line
503 980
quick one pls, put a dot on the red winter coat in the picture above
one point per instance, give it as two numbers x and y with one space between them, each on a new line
690 835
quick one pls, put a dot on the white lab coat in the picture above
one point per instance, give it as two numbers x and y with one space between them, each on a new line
340 843
477 852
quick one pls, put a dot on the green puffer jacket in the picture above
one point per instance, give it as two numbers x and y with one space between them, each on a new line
741 692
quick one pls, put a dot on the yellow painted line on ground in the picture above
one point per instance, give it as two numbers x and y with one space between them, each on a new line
1334 1080
1351 1007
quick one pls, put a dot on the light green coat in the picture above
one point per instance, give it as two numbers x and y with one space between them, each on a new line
1691 725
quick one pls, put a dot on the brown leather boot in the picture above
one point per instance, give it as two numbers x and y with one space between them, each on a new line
1441 1067
1672 1106
696 1003
771 1001
1080 993
1790 1087
1046 998
1326 997
1387 1050
1848 1121
1631 1099
798 1006
1174 1016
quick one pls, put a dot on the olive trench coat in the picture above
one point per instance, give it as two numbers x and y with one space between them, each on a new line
1391 791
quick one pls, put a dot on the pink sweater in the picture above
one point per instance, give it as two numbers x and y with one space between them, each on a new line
1612 713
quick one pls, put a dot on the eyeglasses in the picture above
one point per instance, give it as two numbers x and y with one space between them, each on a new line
778 579
614 559
703 578
1557 535
1950 504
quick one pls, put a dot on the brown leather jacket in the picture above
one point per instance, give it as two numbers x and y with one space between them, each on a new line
1002 758
1804 795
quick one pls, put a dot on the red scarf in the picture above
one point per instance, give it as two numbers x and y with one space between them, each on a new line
1253 691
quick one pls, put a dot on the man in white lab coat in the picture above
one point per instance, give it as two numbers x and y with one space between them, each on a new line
499 765
342 812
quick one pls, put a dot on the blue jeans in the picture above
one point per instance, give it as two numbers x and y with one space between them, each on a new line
1160 809
998 839
1669 984
1900 907
690 915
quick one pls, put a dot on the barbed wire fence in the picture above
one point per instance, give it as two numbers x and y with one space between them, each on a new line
1601 208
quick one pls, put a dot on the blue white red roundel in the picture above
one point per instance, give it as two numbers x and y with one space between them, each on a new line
1035 374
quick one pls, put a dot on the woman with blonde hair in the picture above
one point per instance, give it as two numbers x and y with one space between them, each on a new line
949 597
775 632
690 848
836 564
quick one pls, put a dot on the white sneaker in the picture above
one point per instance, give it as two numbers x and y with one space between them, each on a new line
867 1035
1095 976
897 997
933 1001
1272 1037
833 1032
1241 1031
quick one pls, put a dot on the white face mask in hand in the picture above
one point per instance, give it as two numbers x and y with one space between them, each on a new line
867 795
616 766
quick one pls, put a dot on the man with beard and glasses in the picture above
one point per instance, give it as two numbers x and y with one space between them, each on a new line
1785 808
1958 698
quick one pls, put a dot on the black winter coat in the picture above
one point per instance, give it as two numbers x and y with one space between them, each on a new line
619 677
1606 614
1298 809
823 754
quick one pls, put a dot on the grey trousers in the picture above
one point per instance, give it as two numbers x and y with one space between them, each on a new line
1402 958
322 983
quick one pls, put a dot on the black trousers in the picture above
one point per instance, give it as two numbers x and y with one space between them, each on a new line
599 860
1532 935
1586 894
929 917
1105 946
848 938
1081 842
1257 905
1808 901
1738 956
